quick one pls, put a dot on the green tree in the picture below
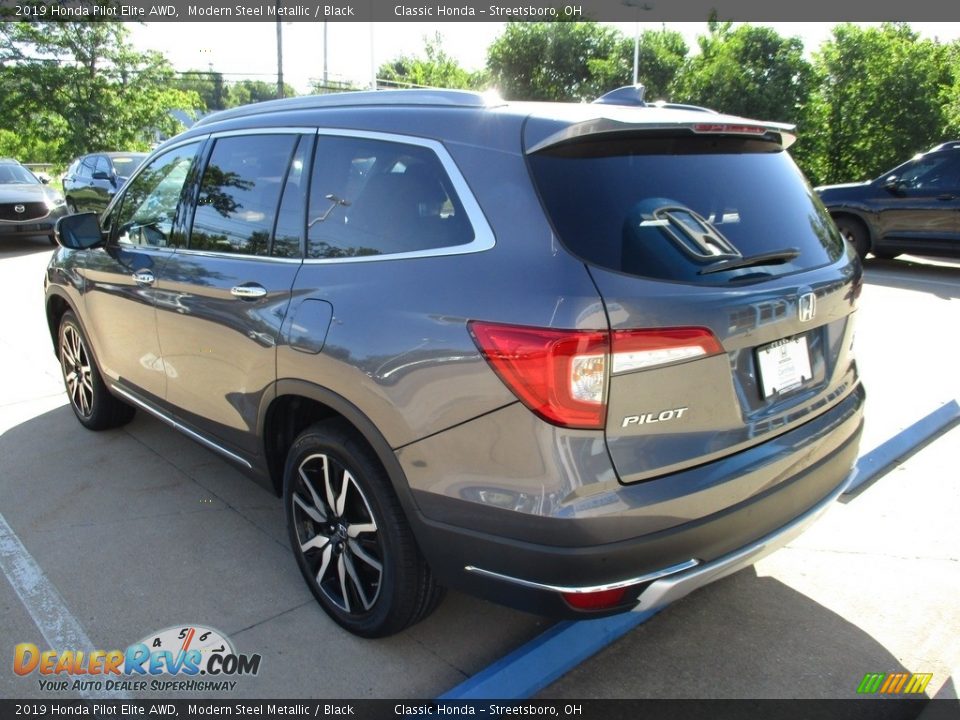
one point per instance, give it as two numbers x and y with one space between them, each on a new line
561 60
951 107
750 71
213 92
661 56
882 95
244 92
81 87
436 70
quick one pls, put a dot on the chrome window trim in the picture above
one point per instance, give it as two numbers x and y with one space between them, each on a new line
483 237
284 130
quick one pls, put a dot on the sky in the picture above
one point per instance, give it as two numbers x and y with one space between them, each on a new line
249 49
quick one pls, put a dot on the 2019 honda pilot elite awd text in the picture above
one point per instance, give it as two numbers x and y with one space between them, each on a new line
577 359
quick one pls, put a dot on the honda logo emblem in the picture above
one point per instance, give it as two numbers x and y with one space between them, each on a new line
807 306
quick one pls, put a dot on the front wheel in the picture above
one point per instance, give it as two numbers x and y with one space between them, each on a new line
92 403
349 535
854 232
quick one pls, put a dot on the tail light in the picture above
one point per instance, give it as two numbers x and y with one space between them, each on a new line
562 375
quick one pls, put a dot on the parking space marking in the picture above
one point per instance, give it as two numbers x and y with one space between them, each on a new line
546 658
539 662
42 600
872 466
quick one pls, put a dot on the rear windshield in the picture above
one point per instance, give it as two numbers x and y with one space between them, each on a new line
693 209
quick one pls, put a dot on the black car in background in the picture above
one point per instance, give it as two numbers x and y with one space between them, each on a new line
92 180
913 208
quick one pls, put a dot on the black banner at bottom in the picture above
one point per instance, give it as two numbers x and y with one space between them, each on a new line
854 709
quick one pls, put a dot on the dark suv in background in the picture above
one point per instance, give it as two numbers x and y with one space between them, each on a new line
91 181
913 208
578 359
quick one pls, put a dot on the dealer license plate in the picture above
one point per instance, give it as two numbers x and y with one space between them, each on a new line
784 366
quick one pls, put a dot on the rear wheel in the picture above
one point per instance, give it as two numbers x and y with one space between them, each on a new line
854 232
349 535
92 403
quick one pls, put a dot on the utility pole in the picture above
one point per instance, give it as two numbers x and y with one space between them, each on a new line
325 80
636 34
279 53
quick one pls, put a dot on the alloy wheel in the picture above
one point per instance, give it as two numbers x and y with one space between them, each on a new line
77 372
337 534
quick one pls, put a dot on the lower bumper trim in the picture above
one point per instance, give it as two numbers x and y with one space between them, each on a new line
667 590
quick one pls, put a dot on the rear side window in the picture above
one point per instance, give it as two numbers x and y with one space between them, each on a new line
685 208
239 194
375 197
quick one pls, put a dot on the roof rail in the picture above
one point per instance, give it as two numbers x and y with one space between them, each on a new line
446 98
626 95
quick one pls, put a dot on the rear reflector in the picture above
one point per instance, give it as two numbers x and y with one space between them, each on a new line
562 375
598 600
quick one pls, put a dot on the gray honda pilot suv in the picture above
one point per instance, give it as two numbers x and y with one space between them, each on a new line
577 359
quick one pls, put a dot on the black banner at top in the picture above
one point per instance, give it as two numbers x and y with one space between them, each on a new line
480 10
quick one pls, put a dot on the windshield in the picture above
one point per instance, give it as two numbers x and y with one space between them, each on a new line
695 209
127 164
17 175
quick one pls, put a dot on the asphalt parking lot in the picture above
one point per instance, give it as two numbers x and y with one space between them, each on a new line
124 533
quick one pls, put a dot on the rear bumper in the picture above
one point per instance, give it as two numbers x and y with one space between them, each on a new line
802 473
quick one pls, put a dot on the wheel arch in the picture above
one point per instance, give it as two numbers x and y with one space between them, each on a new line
858 217
57 305
297 404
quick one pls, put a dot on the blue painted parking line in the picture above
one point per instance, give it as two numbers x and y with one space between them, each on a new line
872 466
549 656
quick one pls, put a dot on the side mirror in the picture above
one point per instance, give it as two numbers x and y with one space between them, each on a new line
44 179
893 184
101 175
79 232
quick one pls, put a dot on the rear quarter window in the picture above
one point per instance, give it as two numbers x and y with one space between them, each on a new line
377 197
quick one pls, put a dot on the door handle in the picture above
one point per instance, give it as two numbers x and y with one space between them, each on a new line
144 277
248 292
946 196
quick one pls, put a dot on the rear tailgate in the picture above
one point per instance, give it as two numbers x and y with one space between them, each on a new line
729 294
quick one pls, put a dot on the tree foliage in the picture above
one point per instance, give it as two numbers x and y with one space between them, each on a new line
661 55
882 94
555 60
750 71
78 87
436 70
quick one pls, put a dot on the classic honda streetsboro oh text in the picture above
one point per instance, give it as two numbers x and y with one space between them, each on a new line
574 358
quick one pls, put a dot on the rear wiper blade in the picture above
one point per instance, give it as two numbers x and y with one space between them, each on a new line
777 257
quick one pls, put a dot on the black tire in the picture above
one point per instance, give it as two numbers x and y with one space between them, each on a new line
885 254
92 403
334 485
855 233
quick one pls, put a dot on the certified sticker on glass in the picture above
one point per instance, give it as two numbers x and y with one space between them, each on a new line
784 366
